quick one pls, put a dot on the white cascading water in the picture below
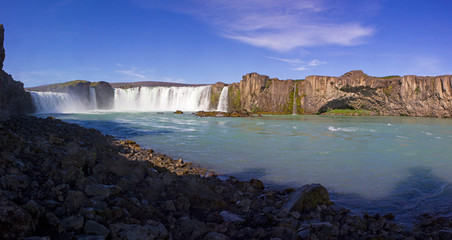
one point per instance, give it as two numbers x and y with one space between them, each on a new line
55 102
92 96
144 99
223 102
150 99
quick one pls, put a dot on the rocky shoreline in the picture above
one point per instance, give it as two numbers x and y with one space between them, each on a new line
63 181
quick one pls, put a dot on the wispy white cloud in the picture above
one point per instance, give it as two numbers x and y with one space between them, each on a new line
280 25
134 73
299 65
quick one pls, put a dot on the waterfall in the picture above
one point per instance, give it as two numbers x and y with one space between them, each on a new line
145 99
53 102
294 106
162 99
223 102
93 97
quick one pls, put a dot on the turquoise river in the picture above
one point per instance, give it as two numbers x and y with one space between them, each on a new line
399 165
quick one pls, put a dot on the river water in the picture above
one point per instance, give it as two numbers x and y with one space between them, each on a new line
399 165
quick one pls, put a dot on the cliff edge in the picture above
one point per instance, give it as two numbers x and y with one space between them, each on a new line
393 95
13 98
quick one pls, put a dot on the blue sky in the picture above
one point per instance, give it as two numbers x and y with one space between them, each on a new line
205 41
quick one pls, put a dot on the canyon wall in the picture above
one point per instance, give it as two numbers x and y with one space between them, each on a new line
259 93
13 98
393 95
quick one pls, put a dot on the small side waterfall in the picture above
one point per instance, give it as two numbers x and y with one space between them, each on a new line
162 99
223 102
93 97
294 106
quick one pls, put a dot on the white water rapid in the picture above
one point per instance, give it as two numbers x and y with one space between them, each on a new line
223 102
149 99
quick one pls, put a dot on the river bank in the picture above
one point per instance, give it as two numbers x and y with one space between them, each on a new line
62 181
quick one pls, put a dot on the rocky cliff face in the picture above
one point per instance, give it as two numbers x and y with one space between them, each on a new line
13 98
259 93
395 96
105 95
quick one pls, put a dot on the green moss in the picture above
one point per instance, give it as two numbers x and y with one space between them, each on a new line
235 99
67 84
288 107
417 90
268 83
214 99
388 90
391 76
349 112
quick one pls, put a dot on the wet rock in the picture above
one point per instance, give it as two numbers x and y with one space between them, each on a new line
71 223
231 217
13 181
74 200
95 228
134 231
37 238
101 191
304 234
215 236
307 198
90 237
445 234
33 208
15 222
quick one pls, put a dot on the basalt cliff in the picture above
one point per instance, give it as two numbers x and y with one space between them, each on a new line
13 99
393 95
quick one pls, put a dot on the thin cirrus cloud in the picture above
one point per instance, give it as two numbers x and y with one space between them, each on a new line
135 73
280 25
299 65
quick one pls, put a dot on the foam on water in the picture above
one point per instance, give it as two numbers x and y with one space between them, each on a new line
339 129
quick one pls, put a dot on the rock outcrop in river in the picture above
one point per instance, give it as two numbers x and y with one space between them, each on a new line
393 95
13 99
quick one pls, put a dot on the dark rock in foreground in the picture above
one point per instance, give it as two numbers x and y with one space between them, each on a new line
62 181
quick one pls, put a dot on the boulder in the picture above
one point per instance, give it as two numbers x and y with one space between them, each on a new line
15 221
101 191
307 198
71 223
137 232
95 228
